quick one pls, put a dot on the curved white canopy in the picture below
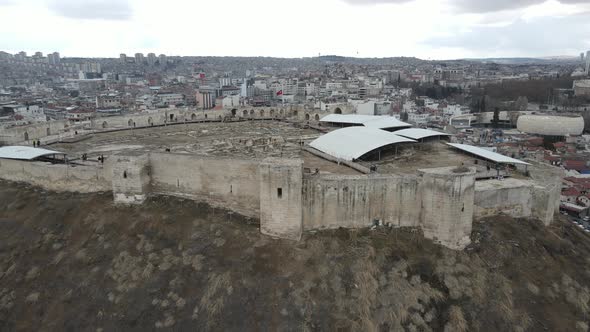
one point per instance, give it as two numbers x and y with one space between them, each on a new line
419 133
371 121
353 142
347 118
386 122
486 154
25 152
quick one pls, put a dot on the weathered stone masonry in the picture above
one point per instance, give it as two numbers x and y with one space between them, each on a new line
276 191
442 202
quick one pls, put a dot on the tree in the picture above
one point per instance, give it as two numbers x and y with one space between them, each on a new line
404 116
513 118
521 104
475 105
535 90
496 118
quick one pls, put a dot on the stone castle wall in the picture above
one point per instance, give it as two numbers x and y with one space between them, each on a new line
223 182
441 201
26 134
509 196
58 177
54 130
354 201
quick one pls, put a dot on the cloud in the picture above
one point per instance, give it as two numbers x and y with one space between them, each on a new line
91 9
486 6
7 2
375 2
540 37
475 6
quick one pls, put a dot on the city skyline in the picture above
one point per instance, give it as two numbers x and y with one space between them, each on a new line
426 29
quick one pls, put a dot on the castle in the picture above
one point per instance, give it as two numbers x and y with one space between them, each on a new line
287 197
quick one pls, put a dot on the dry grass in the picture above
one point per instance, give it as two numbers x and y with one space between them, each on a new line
456 322
360 280
212 301
576 295
403 296
533 288
367 284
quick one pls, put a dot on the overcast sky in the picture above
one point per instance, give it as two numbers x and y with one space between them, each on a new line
428 29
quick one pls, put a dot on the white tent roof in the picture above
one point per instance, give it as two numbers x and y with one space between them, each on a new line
419 133
486 154
372 121
347 118
25 152
386 122
353 142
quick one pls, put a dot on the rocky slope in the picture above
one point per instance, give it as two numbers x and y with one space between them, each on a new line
78 263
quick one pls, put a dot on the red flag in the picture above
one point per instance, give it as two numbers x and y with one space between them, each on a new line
201 75
280 93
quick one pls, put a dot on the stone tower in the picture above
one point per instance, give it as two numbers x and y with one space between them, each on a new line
131 178
281 182
447 205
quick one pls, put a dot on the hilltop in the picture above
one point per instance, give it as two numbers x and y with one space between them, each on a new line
77 262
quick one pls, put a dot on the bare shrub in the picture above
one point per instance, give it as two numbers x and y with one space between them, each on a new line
460 169
212 301
532 288
402 295
456 322
575 294
367 283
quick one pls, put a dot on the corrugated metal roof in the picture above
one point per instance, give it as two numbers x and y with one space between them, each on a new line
578 165
419 133
353 142
25 152
371 121
572 207
486 154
